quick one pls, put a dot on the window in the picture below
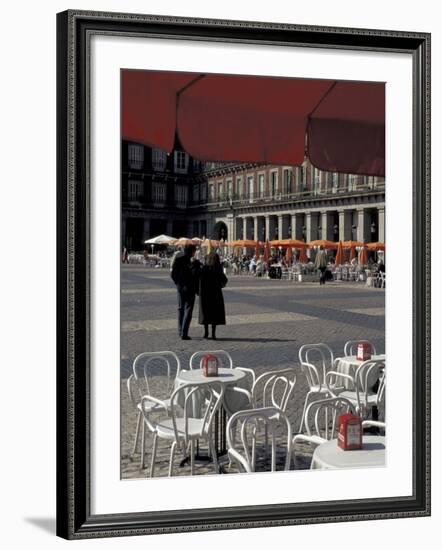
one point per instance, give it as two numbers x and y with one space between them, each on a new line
135 156
159 193
250 188
134 190
273 183
261 184
221 191
203 192
229 188
181 161
352 181
239 188
316 177
159 160
181 195
211 192
287 179
196 193
302 177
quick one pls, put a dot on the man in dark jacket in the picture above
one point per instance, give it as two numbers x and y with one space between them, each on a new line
185 273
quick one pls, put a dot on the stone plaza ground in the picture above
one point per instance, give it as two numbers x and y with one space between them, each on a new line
267 322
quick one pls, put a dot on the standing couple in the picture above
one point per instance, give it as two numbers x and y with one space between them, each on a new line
208 280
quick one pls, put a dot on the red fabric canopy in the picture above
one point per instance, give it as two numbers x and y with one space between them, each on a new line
230 118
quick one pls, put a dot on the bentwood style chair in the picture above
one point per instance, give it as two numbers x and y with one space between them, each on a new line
153 375
316 360
366 387
321 421
183 423
249 425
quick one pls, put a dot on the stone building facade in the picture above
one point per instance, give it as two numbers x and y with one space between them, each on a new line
183 197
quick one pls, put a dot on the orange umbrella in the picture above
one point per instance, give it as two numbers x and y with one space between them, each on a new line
351 244
257 249
303 256
293 243
243 243
183 241
376 246
266 251
289 255
324 243
339 260
363 256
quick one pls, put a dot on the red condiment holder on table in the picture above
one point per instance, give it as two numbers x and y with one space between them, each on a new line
209 365
349 432
363 352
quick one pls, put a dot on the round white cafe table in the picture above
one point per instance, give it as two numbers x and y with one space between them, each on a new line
225 376
349 365
329 456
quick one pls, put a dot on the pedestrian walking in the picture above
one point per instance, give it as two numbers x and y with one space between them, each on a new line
211 301
185 275
125 256
321 264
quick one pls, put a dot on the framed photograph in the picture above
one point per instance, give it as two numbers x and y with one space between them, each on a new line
231 197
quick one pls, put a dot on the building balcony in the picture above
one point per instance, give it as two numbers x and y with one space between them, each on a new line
278 198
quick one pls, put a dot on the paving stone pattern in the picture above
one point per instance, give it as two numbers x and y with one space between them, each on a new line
267 322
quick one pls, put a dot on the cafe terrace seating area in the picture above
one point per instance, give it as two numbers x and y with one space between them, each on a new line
240 420
285 259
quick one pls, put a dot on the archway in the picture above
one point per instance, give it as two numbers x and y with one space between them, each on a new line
220 231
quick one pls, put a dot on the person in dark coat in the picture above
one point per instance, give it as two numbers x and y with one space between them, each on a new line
321 264
211 301
185 275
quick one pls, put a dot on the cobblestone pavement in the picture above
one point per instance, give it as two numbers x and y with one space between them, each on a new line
267 322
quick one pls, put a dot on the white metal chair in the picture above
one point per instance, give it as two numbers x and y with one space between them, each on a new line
146 367
316 360
321 420
351 347
382 279
366 387
274 388
249 423
285 274
191 414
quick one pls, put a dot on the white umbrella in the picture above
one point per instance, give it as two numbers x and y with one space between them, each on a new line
161 239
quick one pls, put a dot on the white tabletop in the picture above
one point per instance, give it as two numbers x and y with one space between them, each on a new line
352 361
225 376
349 364
329 455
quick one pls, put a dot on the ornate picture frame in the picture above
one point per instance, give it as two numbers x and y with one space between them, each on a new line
75 30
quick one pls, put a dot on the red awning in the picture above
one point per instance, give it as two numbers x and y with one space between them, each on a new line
230 118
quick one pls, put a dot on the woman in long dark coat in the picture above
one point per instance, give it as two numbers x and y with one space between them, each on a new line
211 301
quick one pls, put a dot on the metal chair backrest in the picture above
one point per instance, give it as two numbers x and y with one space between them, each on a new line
370 380
248 426
321 416
196 400
315 360
351 347
148 365
223 356
274 389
